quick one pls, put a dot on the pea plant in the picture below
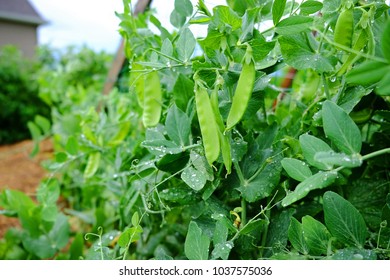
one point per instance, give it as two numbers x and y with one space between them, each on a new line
265 139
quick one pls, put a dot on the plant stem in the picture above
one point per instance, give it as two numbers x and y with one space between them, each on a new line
376 153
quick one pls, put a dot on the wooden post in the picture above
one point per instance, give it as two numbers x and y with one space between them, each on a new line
120 57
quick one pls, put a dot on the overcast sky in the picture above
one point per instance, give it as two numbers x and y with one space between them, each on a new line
90 22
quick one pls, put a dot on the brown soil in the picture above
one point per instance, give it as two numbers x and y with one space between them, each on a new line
19 171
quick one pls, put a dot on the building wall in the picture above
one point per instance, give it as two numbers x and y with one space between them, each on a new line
22 35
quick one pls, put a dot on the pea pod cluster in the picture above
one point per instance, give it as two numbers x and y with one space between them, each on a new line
207 123
243 90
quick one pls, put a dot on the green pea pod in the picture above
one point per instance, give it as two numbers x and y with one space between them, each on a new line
92 164
207 123
360 43
152 99
344 28
137 80
242 94
223 137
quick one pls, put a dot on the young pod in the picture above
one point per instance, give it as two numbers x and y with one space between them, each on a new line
152 99
344 28
242 94
207 123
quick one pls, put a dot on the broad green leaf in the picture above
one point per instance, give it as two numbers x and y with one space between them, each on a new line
341 129
61 157
317 181
177 19
369 196
186 45
344 221
59 233
339 159
310 7
311 145
316 236
200 163
354 254
296 169
224 16
261 47
195 179
263 182
162 146
297 53
72 146
220 233
368 73
222 250
278 10
172 163
184 7
293 25
183 91
43 123
135 219
248 22
295 236
92 164
383 87
196 245
277 236
48 192
385 43
351 97
178 126
130 235
39 246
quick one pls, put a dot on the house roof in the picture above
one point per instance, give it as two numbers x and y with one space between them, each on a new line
19 11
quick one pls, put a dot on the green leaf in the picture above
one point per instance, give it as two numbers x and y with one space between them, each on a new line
311 145
385 43
293 25
222 250
92 164
177 19
183 91
339 159
261 48
295 235
178 126
135 219
196 246
296 169
263 182
43 123
368 73
248 22
61 157
277 236
224 16
162 146
316 236
184 7
383 87
72 146
186 45
341 129
278 10
354 254
130 235
195 179
299 54
310 7
317 181
351 97
48 192
344 221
